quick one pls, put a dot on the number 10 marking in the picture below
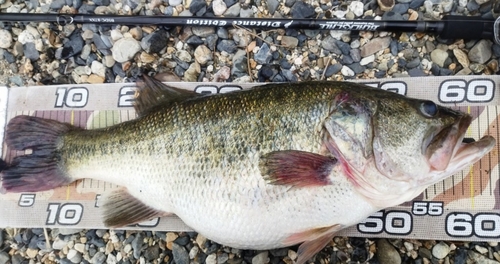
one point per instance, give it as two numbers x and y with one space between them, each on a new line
64 214
75 97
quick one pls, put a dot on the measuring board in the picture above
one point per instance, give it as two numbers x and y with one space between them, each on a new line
465 206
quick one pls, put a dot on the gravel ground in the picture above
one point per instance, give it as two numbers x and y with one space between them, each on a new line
44 54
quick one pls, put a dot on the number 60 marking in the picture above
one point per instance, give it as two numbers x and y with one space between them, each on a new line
457 91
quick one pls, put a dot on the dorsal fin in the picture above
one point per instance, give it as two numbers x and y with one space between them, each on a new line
152 92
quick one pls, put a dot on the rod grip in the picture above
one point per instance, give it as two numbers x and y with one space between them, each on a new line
463 27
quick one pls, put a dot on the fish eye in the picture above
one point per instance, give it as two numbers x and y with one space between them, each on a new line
428 108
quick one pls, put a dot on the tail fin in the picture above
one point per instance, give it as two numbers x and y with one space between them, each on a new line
40 170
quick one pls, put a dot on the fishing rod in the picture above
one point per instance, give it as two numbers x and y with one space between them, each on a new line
450 27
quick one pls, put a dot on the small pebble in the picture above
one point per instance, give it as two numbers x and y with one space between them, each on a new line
440 250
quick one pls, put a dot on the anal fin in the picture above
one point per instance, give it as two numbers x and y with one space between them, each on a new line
313 240
121 209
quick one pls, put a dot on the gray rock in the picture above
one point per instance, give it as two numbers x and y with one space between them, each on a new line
355 55
202 55
233 11
17 80
73 47
333 69
57 4
289 42
30 51
440 250
125 49
240 66
246 12
174 2
346 71
197 5
401 8
439 57
479 259
98 258
447 5
288 74
5 39
392 16
425 253
219 7
272 5
74 256
203 32
211 41
222 33
137 245
302 10
4 257
329 43
98 69
227 45
374 46
481 52
386 253
169 11
356 68
416 72
413 63
184 56
222 258
152 253
180 254
158 41
1 236
261 258
264 55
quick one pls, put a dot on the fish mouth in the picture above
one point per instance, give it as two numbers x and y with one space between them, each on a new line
448 151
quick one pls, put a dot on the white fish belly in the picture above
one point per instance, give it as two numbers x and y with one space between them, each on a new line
243 211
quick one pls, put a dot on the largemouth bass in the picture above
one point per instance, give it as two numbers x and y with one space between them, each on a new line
270 167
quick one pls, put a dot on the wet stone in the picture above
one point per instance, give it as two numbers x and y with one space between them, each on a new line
197 5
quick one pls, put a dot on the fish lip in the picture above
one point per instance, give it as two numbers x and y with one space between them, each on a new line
443 146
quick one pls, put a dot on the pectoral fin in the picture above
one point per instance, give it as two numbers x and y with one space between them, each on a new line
313 240
296 168
152 93
121 209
